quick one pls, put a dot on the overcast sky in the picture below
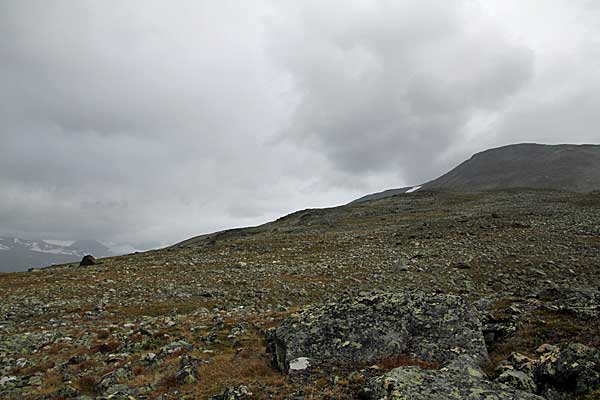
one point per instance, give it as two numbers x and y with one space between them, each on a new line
147 122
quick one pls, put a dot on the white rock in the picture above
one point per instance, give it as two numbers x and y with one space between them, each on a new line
299 364
7 379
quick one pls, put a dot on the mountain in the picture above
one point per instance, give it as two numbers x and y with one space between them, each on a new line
408 296
573 168
19 254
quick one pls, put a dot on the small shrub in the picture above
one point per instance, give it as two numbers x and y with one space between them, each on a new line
106 347
87 384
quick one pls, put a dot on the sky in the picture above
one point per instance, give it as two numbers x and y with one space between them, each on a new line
148 122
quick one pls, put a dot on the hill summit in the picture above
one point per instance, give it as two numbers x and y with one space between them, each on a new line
568 167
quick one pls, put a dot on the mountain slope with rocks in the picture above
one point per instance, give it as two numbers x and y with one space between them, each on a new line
568 167
480 295
574 168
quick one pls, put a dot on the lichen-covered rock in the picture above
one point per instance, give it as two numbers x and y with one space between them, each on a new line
430 327
518 379
520 362
572 369
414 383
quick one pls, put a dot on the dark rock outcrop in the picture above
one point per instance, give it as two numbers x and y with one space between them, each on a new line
571 370
429 327
88 260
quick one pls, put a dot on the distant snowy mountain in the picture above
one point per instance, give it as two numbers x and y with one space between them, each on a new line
19 254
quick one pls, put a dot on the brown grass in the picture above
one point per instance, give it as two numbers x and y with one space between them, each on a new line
87 364
103 334
87 384
50 383
105 347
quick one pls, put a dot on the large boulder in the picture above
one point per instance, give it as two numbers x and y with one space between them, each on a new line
453 382
88 260
429 327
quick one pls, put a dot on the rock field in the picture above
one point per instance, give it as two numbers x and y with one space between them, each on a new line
427 295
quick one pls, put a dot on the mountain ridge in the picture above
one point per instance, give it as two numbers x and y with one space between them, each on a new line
17 254
568 167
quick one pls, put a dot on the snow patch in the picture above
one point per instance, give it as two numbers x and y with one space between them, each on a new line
299 364
3 247
413 189
43 247
62 243
50 250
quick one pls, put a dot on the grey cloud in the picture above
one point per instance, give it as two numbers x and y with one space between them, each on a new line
126 120
395 88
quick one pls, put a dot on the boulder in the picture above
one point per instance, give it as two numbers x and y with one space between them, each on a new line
430 327
518 379
449 383
88 260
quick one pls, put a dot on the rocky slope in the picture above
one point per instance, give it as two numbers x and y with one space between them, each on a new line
567 167
563 167
517 269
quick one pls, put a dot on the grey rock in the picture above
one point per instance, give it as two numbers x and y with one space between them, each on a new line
517 362
109 383
429 327
518 379
414 383
65 392
177 345
8 381
233 393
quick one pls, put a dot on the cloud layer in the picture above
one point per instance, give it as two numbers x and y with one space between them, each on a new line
388 85
147 122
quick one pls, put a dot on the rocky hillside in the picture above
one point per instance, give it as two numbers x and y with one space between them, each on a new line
19 254
428 295
574 168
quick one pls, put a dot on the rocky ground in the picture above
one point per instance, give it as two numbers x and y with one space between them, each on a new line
197 320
